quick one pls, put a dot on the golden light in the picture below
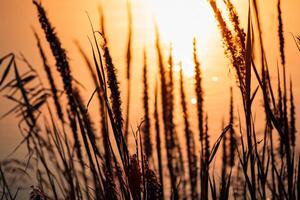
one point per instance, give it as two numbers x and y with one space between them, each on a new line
215 78
179 21
193 101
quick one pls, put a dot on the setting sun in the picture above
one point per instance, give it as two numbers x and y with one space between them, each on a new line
180 21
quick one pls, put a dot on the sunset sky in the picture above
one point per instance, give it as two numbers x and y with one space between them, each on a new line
179 21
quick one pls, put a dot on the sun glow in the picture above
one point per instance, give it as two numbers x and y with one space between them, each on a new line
215 78
179 21
193 101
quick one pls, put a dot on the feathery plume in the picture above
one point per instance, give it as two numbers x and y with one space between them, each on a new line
146 128
158 140
206 140
178 158
128 64
234 18
58 52
198 91
190 142
168 137
232 50
280 34
113 85
50 78
292 116
232 138
280 112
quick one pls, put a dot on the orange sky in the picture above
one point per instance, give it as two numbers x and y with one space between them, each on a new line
179 21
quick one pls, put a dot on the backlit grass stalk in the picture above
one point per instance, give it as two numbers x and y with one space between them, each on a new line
102 111
289 163
199 93
170 99
50 79
205 167
279 112
146 127
190 142
115 101
293 130
168 141
58 52
232 50
234 18
64 70
280 33
57 104
199 104
128 67
58 107
172 128
232 137
242 64
89 139
113 85
224 158
158 141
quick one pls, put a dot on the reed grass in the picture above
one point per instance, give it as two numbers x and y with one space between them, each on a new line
190 141
70 162
128 66
51 79
147 125
158 141
169 142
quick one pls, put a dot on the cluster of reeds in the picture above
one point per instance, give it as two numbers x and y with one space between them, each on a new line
75 158
266 172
